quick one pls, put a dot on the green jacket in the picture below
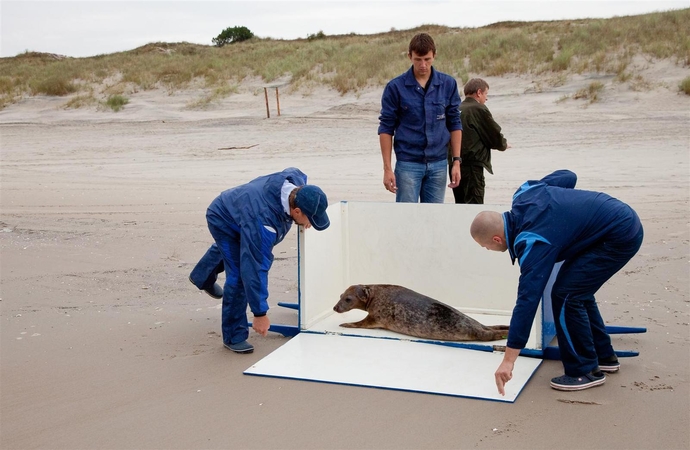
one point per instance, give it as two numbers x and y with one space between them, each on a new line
480 133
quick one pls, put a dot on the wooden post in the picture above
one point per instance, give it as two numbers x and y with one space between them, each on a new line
277 101
268 112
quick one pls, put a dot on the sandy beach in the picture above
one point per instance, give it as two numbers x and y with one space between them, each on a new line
105 344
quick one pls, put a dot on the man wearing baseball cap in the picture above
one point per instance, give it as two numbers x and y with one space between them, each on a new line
246 222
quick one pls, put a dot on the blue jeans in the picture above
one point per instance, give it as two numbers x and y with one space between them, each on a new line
421 182
580 329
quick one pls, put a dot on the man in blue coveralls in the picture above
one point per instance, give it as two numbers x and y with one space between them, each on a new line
419 115
594 235
247 222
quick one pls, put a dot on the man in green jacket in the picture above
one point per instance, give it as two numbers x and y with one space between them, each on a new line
480 134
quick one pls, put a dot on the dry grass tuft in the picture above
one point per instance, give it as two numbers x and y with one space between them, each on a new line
591 92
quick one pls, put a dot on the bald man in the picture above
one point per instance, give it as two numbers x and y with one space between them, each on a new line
594 235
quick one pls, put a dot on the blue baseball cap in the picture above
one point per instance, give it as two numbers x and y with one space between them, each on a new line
312 201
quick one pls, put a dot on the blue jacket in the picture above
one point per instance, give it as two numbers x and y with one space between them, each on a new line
253 212
420 122
550 222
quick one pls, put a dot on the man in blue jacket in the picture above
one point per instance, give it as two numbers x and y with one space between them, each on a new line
419 116
594 235
246 222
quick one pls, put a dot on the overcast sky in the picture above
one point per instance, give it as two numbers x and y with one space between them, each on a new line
87 28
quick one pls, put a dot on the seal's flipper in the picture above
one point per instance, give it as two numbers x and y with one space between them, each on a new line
367 322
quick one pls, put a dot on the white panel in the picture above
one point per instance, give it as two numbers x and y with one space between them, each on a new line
394 364
424 247
321 268
428 248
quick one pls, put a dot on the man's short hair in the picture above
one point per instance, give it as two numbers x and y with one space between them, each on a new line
421 44
475 84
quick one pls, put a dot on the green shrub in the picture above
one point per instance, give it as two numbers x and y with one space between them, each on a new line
232 35
319 35
685 85
116 102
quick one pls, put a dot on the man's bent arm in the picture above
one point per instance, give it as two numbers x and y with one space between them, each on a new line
562 178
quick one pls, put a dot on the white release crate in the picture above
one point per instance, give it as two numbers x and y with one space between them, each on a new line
426 248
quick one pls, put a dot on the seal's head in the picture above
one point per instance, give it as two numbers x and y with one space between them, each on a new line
354 297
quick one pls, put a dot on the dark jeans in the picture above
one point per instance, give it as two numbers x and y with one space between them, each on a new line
581 332
471 187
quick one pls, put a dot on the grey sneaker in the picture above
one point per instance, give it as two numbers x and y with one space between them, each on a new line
566 383
240 347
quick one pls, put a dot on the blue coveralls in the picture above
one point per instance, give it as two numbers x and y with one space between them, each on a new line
246 222
594 235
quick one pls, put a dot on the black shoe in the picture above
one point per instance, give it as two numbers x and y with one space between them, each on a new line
609 364
214 291
240 347
566 383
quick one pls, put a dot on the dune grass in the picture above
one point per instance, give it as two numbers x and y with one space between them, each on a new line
349 63
214 95
591 92
685 86
116 102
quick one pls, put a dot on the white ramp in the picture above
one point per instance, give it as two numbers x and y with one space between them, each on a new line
394 364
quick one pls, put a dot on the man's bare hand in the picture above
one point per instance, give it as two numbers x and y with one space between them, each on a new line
389 181
503 375
455 176
261 325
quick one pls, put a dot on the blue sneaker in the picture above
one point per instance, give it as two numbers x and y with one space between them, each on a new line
566 383
214 291
240 347
609 364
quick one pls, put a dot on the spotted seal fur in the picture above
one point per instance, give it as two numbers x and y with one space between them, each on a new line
405 311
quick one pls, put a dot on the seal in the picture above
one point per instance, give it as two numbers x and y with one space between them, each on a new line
405 311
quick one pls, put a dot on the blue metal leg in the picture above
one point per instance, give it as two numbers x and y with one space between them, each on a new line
626 353
624 330
285 330
289 305
555 354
